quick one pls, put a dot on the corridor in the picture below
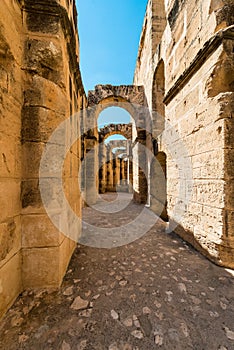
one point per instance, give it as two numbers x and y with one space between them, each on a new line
154 293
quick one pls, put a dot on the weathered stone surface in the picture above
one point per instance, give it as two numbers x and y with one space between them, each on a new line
187 76
40 86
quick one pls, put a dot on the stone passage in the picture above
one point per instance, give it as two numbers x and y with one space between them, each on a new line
156 293
177 159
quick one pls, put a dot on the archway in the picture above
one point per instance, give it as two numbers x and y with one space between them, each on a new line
132 99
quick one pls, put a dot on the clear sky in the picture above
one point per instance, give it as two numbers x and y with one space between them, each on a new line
109 34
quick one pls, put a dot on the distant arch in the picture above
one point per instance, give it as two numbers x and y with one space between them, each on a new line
112 129
131 98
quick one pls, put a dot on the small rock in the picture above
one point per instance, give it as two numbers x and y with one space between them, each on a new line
158 339
79 304
184 329
76 281
137 334
146 310
96 296
118 278
123 283
86 313
68 291
195 300
229 333
137 323
16 321
23 338
109 293
223 306
157 304
169 295
138 270
65 346
182 288
82 345
159 315
114 315
128 322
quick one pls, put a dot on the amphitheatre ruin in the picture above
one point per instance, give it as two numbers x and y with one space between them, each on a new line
62 183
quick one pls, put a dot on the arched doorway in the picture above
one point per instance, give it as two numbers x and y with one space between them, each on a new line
132 99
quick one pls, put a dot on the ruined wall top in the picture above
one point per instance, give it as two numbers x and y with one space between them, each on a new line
111 129
122 93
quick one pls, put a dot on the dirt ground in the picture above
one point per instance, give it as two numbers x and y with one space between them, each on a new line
154 293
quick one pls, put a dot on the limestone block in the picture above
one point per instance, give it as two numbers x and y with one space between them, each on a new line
10 117
40 267
10 287
45 93
209 165
30 194
210 192
10 160
39 231
9 198
38 124
45 267
190 101
43 22
52 163
10 238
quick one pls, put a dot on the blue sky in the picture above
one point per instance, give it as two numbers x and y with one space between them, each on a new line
109 34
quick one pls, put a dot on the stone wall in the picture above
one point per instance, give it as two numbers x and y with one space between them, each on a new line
11 100
40 87
188 80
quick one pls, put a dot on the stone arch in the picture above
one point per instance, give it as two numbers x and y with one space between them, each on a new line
132 99
112 129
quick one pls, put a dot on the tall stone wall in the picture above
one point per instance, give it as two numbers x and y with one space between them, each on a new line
188 82
11 100
41 87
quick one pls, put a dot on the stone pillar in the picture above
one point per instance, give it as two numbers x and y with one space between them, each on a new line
158 188
50 97
91 170
102 168
109 171
122 165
